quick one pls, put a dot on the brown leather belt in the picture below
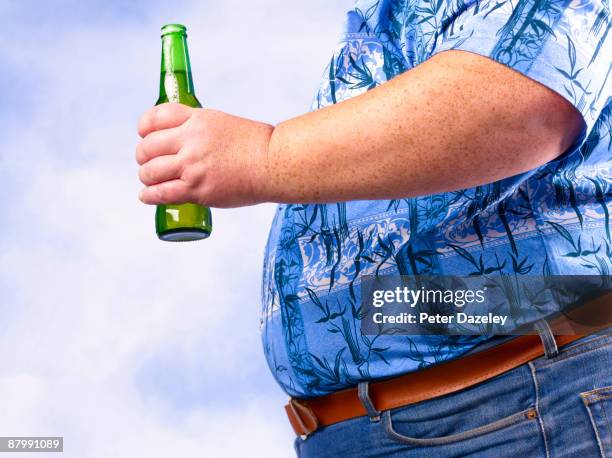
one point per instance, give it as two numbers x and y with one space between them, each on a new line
308 415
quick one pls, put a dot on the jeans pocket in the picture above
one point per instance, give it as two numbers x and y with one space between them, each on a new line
527 415
599 406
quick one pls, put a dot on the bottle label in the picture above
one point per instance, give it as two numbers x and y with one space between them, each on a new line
171 87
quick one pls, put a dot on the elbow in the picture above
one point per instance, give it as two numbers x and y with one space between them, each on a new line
550 127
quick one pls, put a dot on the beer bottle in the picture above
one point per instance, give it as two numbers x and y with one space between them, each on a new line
185 222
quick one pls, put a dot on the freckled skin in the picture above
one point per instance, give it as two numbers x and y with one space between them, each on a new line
457 120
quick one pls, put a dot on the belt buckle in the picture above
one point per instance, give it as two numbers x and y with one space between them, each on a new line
304 417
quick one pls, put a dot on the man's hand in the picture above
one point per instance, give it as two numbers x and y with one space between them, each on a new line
201 156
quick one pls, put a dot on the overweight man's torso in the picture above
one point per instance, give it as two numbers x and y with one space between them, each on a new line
552 220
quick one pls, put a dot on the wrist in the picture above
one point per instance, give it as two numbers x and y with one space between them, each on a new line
259 170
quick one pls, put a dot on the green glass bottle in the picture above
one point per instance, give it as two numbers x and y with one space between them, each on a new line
185 222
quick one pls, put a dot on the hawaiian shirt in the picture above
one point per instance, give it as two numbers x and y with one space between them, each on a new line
551 220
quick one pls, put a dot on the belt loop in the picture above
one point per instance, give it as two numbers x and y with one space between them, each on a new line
548 339
363 392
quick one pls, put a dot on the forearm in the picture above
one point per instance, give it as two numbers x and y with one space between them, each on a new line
455 121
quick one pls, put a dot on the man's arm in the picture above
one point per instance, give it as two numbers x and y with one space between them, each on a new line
455 121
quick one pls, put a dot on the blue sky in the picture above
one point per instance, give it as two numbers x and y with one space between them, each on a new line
107 332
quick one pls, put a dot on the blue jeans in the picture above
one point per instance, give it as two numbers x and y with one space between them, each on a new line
550 407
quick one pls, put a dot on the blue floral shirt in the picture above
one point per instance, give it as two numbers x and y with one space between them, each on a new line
551 220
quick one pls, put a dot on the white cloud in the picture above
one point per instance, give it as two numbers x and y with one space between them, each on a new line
95 308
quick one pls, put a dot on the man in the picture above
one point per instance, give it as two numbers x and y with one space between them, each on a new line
447 137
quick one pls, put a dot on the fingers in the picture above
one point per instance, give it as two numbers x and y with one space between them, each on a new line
164 116
160 169
158 143
168 192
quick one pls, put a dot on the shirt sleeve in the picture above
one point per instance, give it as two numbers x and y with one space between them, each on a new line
564 45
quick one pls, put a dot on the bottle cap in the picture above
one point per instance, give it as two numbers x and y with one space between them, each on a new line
173 28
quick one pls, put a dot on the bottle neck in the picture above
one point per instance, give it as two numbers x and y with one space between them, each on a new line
175 77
